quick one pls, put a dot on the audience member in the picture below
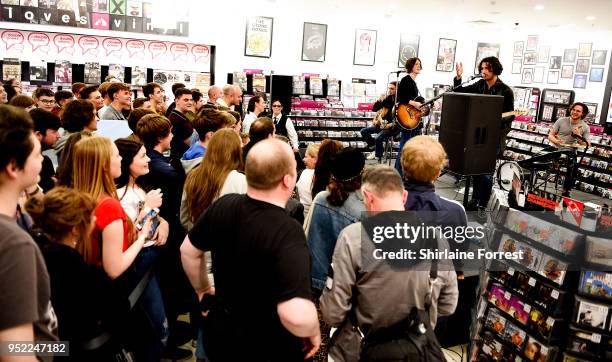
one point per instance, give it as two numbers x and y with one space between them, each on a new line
4 96
232 96
62 97
182 129
352 299
46 129
82 295
120 96
155 94
76 89
79 115
238 125
172 106
322 171
133 119
217 175
304 183
198 100
214 94
103 89
256 106
23 101
261 129
206 124
45 98
232 229
26 314
116 243
64 167
92 94
12 87
141 102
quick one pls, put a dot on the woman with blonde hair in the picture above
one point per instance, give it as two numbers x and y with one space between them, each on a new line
82 295
217 175
304 183
116 243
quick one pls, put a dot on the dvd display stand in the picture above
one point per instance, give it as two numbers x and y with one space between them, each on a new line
553 304
554 104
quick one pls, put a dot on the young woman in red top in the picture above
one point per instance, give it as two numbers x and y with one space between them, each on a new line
115 241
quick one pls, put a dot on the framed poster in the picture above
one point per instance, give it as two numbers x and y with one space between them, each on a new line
519 46
365 47
569 55
580 81
446 55
258 37
531 58
599 57
63 71
538 75
567 71
555 62
592 111
314 42
484 50
584 49
553 77
527 77
596 75
517 64
532 43
543 54
582 66
409 48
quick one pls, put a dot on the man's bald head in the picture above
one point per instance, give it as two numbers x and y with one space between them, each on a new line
214 93
268 162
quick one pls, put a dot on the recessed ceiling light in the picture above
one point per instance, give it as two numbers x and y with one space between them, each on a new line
590 18
539 7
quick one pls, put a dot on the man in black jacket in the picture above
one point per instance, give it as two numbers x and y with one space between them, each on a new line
490 68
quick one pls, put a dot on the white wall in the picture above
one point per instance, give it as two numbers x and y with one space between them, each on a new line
225 28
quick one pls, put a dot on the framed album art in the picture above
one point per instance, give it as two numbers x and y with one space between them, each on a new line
584 49
555 62
580 81
532 43
519 47
596 75
538 75
446 55
543 54
409 48
567 71
258 37
517 64
531 58
582 66
553 77
569 55
484 50
365 47
599 57
314 41
527 77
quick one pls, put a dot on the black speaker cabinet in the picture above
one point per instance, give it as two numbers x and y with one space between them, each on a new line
470 130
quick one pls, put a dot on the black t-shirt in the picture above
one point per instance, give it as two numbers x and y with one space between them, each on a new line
260 258
46 173
407 90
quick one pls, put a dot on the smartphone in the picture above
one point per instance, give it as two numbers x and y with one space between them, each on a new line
151 214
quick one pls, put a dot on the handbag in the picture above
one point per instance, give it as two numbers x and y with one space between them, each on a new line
411 339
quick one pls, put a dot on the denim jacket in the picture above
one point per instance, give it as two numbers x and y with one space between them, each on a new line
325 225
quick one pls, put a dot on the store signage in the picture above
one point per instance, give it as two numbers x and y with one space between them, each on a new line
253 71
575 208
35 45
542 201
311 75
93 15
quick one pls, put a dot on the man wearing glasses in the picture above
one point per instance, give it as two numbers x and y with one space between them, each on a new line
45 99
284 125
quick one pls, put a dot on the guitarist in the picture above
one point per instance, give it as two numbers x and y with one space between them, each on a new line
408 93
490 68
383 123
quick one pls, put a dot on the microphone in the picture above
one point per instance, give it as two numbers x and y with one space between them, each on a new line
475 76
396 72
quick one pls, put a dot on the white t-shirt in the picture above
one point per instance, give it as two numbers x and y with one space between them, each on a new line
132 201
304 186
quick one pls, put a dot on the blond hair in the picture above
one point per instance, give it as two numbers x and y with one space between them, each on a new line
91 167
422 159
313 150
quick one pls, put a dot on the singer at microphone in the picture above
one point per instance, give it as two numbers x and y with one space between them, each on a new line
489 70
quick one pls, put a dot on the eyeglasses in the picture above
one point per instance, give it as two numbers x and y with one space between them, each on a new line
46 101
276 106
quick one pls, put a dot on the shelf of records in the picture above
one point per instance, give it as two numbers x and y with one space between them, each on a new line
555 303
330 123
602 140
63 73
355 144
305 134
332 113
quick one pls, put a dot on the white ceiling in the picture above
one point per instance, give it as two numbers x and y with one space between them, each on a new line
503 14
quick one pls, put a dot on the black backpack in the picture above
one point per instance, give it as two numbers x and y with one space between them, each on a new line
411 339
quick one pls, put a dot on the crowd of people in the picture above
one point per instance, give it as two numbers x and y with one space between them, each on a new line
198 212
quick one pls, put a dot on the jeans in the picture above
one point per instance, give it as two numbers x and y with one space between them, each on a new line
151 302
383 135
406 136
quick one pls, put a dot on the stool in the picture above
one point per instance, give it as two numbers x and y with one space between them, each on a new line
388 150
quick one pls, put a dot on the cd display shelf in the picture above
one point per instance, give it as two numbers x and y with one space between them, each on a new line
554 304
342 124
595 165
